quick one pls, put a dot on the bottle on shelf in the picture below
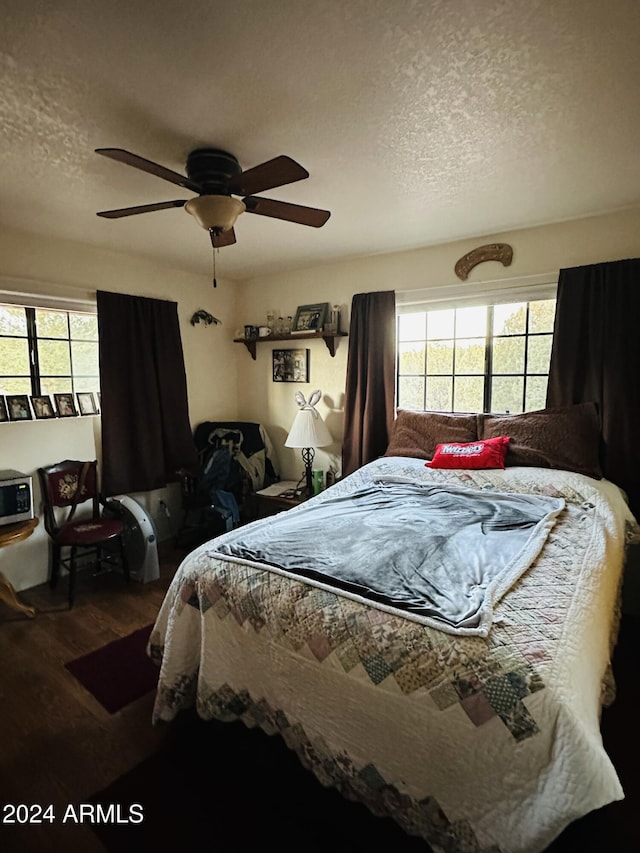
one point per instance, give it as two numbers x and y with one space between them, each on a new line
288 325
271 319
332 324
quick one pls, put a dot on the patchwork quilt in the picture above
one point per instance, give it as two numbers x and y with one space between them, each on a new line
481 743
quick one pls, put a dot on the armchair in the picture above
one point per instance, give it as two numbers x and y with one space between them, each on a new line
236 459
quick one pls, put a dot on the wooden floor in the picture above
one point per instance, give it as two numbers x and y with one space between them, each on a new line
58 745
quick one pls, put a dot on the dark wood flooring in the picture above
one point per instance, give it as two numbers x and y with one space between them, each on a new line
58 746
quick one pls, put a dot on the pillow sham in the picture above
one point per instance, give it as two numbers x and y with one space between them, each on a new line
483 453
416 434
567 438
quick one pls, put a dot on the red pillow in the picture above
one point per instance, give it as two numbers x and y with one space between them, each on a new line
484 453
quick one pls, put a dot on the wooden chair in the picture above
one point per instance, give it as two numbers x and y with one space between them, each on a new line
66 486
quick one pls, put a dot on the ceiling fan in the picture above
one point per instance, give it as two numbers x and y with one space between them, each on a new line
216 177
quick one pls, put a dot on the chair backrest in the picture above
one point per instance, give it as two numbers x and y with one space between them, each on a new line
59 485
249 445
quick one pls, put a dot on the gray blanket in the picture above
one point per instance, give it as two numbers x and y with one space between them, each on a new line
442 555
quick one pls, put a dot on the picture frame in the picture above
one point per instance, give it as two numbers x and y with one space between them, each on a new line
65 405
4 414
18 407
310 318
290 365
42 406
86 403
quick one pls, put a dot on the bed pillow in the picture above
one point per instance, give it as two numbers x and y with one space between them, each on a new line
416 434
567 438
483 453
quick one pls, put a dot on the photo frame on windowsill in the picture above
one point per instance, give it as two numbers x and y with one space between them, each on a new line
87 403
42 407
290 365
18 407
65 405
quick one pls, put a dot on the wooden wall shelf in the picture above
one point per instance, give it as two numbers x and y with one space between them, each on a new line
328 337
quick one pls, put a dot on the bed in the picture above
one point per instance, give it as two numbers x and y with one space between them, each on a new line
475 727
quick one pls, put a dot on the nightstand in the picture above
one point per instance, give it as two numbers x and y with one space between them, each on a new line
271 500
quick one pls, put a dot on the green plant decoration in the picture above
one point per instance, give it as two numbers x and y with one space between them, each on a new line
206 318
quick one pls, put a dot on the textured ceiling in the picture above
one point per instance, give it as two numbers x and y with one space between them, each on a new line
419 122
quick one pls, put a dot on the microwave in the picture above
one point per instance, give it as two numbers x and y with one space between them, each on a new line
16 497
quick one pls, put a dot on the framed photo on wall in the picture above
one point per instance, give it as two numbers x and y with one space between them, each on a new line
290 365
42 407
65 405
18 407
310 318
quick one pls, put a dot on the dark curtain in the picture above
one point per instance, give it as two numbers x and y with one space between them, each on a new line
595 357
146 435
370 386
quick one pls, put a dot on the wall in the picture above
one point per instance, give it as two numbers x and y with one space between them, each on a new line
536 251
223 381
72 271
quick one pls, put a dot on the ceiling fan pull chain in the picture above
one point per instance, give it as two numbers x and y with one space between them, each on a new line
215 283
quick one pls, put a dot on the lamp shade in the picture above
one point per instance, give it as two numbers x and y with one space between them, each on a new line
215 212
308 430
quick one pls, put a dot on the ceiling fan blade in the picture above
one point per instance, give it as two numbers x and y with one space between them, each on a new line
284 210
141 208
224 238
273 173
148 166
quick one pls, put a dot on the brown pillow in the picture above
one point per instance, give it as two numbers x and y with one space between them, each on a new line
567 438
417 433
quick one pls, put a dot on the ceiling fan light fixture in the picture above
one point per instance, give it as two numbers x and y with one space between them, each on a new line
215 212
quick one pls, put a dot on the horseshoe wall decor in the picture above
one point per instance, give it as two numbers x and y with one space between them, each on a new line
491 252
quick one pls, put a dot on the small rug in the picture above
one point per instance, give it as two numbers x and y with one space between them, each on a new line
118 673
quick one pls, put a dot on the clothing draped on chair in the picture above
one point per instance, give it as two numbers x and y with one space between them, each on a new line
146 435
370 384
595 356
236 459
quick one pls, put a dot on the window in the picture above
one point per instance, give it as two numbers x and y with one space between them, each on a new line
46 351
488 358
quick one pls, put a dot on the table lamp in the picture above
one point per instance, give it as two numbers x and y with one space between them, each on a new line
308 431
